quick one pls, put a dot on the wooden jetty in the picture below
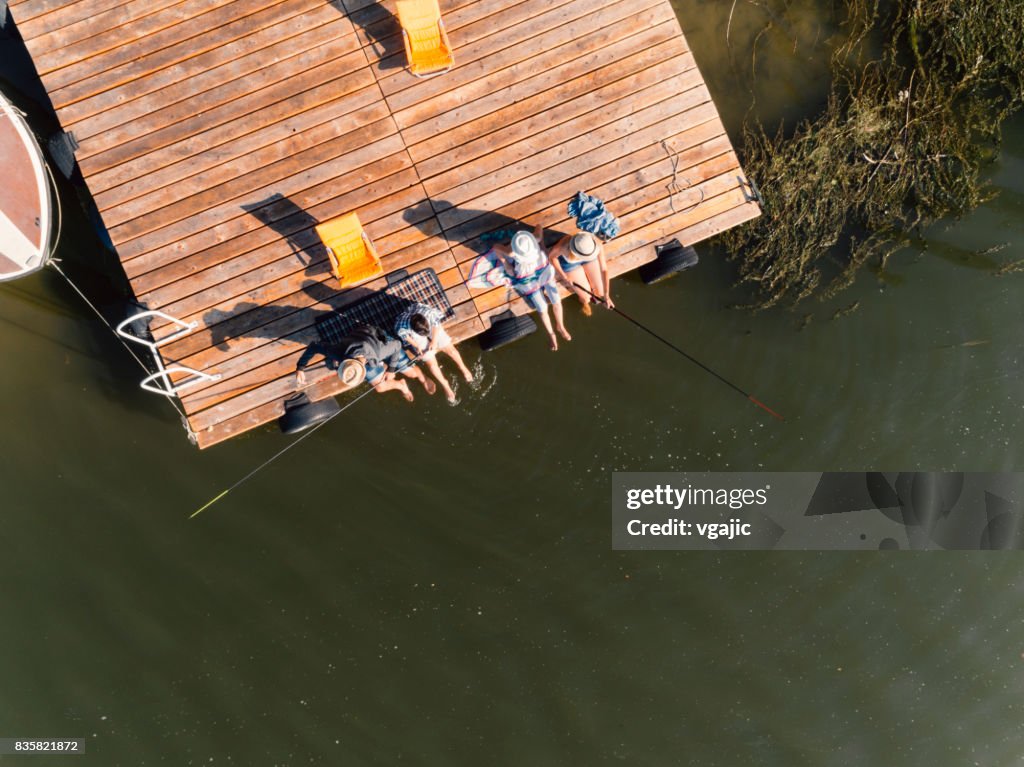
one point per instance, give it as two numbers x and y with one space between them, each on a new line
214 134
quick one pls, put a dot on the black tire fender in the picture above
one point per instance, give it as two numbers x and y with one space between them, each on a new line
301 414
505 329
673 257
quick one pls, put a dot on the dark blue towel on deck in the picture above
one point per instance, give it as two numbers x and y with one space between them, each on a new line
592 216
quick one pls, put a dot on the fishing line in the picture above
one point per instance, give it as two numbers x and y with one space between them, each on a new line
281 452
692 359
277 455
54 263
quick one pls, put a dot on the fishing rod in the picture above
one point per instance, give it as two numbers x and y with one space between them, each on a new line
692 359
276 455
279 453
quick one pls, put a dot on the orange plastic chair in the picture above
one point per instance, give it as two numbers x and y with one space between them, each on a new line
352 254
426 43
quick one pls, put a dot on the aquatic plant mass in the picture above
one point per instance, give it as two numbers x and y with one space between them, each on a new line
920 90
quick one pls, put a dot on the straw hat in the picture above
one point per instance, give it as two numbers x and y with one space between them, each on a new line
525 246
582 247
352 372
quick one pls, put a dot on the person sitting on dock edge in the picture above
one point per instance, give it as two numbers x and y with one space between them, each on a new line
420 329
580 264
366 353
534 279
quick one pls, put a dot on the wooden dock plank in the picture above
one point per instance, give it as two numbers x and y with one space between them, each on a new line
515 182
214 137
478 29
59 14
239 112
694 145
179 103
520 61
28 10
222 26
223 142
365 118
476 127
191 170
128 27
549 146
223 64
252 282
202 248
287 217
83 32
347 153
377 25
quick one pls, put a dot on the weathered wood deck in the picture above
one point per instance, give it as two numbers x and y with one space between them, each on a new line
215 133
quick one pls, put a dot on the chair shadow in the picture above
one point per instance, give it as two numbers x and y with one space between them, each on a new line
293 223
249 319
382 29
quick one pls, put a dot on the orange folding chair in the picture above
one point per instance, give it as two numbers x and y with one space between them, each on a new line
426 43
352 254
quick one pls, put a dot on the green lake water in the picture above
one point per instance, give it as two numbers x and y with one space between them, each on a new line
431 585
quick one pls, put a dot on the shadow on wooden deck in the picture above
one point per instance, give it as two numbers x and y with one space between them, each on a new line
381 29
474 225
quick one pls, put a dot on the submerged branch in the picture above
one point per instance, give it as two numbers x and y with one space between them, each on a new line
900 144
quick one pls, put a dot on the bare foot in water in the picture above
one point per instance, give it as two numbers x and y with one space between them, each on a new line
565 333
587 311
429 385
404 388
467 375
554 342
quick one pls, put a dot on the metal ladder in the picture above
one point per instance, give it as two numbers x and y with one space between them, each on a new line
160 381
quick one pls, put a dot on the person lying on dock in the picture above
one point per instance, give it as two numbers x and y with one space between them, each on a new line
580 264
533 278
367 354
420 328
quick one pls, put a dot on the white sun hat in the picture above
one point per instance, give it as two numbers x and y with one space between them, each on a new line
582 248
525 246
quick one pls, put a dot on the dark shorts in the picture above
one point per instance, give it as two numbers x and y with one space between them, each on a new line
375 370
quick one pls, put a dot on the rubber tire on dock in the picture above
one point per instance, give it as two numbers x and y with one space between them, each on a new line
673 257
506 330
301 414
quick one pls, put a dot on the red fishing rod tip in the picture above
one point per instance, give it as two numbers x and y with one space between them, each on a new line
764 407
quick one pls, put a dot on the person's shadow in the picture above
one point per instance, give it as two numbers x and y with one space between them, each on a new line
382 30
248 319
477 229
